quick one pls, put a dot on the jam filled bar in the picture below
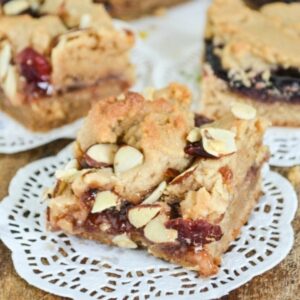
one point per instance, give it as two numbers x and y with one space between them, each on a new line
252 57
129 9
149 173
56 57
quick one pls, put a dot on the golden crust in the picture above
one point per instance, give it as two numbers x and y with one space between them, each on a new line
157 127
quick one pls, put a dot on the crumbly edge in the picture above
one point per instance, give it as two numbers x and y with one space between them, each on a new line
255 40
51 112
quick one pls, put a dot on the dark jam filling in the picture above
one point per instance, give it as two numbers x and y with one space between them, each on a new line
36 70
283 85
201 120
106 3
258 3
116 219
191 233
196 149
195 233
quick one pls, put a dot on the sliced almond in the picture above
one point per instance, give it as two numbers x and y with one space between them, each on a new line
156 194
102 153
121 97
139 216
15 7
5 57
104 200
85 21
124 241
156 232
10 83
194 135
218 142
72 164
243 111
66 175
127 158
183 176
148 93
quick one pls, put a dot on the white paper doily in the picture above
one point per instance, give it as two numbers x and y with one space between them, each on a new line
284 144
168 49
80 269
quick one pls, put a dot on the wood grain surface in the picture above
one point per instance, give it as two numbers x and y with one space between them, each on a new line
280 283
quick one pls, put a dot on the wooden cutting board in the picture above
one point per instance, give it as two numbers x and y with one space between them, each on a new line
280 283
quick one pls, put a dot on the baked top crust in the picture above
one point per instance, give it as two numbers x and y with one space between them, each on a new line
145 175
56 46
156 124
256 49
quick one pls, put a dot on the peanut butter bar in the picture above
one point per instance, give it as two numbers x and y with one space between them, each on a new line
149 173
56 57
252 57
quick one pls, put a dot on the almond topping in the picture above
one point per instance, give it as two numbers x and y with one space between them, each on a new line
102 153
156 232
10 83
5 57
218 142
124 241
139 216
127 158
72 164
104 200
15 7
148 93
85 21
66 175
194 135
243 111
156 194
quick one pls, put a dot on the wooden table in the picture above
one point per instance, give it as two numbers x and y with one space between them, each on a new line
280 283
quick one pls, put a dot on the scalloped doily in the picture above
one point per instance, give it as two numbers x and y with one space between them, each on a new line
284 146
80 269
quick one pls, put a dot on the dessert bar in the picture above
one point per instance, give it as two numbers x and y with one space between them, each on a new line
149 173
56 57
251 57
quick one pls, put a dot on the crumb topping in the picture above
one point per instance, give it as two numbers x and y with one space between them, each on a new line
250 42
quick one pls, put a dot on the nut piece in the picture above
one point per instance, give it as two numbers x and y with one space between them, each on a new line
102 153
66 175
194 135
15 7
127 158
124 241
139 216
156 232
10 83
5 57
243 111
148 93
156 194
72 164
104 200
218 142
85 21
